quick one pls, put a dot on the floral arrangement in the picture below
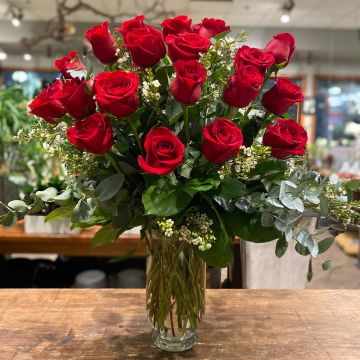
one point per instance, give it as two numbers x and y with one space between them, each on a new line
176 133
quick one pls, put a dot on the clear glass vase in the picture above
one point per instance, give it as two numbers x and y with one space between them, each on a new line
175 291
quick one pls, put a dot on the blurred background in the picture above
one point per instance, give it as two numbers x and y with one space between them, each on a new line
326 64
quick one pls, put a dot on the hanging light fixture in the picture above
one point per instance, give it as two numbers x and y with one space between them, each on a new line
16 15
3 55
286 9
27 57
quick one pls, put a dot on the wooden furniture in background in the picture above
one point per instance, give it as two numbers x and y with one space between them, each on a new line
15 240
238 324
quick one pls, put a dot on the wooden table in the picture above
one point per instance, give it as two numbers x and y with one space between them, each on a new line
239 324
15 240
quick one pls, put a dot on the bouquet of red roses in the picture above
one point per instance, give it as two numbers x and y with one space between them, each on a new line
179 132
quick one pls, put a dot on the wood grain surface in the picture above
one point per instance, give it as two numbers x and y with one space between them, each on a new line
15 240
239 324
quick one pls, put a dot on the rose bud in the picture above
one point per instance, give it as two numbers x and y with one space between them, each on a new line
69 63
282 46
132 24
253 56
286 138
116 92
222 140
186 46
102 42
46 105
77 99
146 46
210 27
282 96
94 134
186 87
176 25
164 152
243 86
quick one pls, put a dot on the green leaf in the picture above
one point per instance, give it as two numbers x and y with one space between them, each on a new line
37 206
109 187
231 188
248 227
221 35
325 244
268 169
173 111
326 265
281 247
48 194
61 212
324 205
302 250
83 210
310 271
9 219
165 199
18 205
105 235
305 239
352 185
196 185
63 198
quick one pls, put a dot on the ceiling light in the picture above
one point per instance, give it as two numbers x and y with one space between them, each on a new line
16 22
286 8
285 18
16 15
27 57
3 55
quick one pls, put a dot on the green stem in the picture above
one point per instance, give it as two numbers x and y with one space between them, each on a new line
231 112
186 123
266 116
136 136
108 156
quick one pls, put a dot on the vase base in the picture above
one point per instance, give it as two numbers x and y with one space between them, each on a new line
175 344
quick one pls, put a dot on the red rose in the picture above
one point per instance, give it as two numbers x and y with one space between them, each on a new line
243 86
177 25
102 42
253 56
186 46
132 24
210 27
47 105
146 46
282 96
164 152
77 99
69 62
282 46
285 137
94 134
186 87
222 139
116 92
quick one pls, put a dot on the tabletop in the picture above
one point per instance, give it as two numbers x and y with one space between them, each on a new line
238 324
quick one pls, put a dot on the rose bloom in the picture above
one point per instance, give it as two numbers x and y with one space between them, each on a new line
243 86
176 25
102 42
146 46
253 56
186 46
286 138
77 99
186 87
47 105
222 140
282 96
116 92
69 62
130 25
210 27
94 134
282 46
164 152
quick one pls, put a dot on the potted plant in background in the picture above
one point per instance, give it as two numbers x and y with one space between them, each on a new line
177 136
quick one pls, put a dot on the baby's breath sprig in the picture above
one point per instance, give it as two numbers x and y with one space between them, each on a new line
240 166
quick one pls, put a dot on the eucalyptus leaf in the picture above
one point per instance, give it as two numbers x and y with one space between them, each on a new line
231 188
281 247
325 244
83 210
310 271
105 235
326 265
